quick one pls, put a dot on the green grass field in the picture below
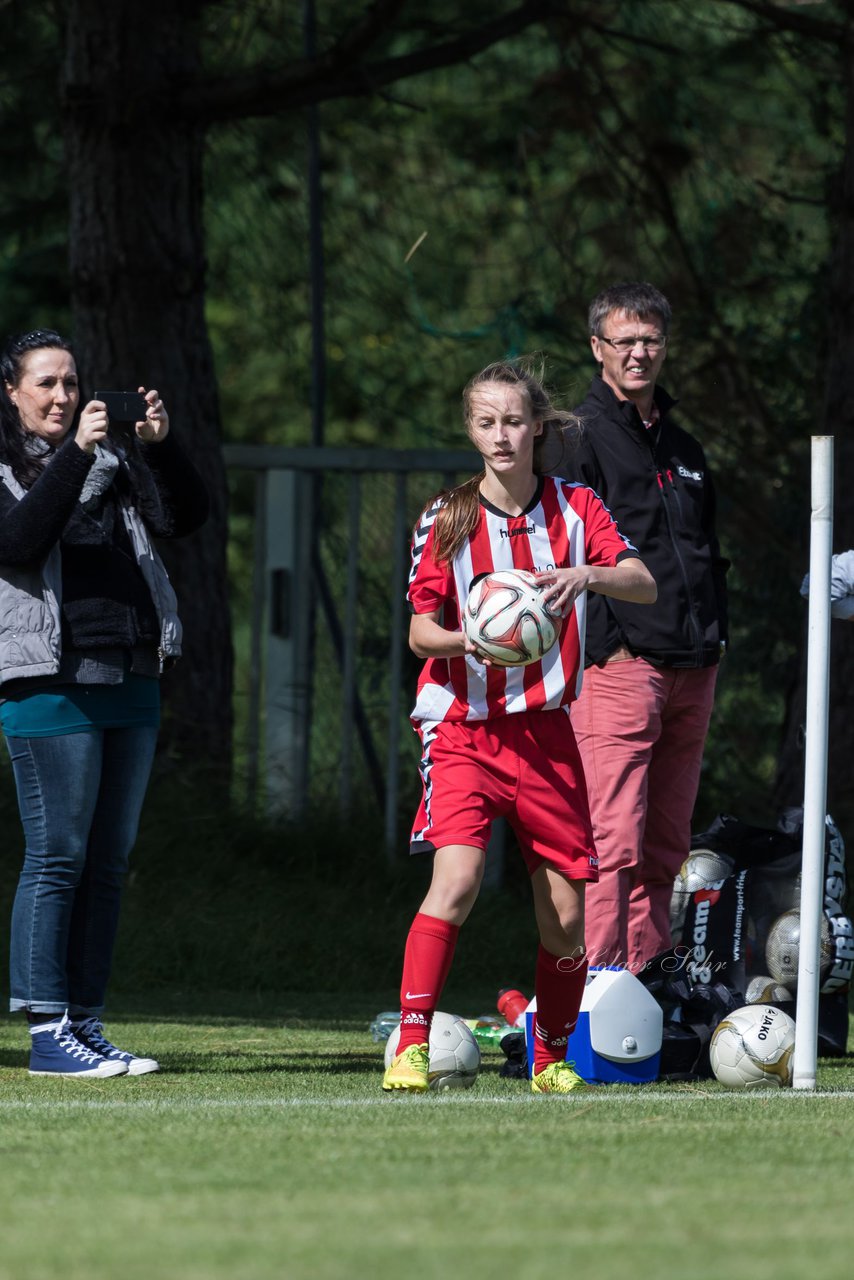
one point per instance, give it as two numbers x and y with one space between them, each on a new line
266 1149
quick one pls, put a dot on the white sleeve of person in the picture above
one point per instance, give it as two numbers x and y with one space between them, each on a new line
841 585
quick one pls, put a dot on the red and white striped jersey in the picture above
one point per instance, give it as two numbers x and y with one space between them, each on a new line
565 525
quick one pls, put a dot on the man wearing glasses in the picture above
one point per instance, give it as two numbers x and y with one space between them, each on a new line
644 708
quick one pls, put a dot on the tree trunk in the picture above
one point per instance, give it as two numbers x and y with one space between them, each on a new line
839 422
137 266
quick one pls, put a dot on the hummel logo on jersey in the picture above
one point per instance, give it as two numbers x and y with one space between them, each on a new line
418 995
516 533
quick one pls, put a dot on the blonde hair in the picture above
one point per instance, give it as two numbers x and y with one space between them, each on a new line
457 518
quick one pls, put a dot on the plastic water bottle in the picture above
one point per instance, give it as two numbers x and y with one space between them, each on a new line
512 1005
383 1025
487 1029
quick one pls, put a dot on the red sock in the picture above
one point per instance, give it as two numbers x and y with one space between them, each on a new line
426 964
559 987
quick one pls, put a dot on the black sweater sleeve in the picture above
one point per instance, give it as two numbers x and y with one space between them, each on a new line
31 525
182 504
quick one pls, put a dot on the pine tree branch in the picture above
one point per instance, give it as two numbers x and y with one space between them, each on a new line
338 74
783 18
375 23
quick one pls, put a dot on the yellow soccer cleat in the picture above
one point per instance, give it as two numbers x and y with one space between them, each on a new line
558 1077
409 1071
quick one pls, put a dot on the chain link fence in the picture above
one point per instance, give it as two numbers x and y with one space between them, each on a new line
325 674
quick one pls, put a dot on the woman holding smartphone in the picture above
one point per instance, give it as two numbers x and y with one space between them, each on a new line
88 623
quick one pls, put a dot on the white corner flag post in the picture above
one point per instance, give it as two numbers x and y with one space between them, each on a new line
815 775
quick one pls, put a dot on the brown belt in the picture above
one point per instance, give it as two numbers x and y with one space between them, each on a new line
619 655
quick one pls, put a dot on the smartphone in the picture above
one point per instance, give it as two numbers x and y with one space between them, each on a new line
123 406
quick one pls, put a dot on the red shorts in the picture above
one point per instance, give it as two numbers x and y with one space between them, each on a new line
525 768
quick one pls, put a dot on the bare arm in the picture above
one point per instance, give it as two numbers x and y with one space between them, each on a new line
427 639
629 580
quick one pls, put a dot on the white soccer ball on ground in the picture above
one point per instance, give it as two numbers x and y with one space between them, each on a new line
508 620
454 1052
752 1048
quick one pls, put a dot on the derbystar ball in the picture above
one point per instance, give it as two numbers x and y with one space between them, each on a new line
507 619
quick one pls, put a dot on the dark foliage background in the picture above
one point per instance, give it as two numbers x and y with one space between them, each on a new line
702 144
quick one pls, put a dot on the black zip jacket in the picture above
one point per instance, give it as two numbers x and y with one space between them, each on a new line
656 486
105 600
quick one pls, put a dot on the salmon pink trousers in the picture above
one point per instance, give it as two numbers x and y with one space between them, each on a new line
641 730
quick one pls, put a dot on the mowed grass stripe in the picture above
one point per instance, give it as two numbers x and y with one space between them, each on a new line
266 1151
598 1097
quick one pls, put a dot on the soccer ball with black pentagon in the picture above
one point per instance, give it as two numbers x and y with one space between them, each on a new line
752 1048
783 948
507 619
454 1052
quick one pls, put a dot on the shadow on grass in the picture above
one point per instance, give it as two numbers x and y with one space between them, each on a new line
232 1063
288 1010
284 1019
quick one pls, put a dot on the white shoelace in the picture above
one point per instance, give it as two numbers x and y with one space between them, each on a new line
71 1045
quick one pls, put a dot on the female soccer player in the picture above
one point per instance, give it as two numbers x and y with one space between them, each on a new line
497 741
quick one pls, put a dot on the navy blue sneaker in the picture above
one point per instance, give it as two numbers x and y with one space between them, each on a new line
91 1033
56 1051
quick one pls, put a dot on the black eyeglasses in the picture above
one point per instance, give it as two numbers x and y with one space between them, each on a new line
652 342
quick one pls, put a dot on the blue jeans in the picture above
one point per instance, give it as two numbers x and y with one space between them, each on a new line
80 797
